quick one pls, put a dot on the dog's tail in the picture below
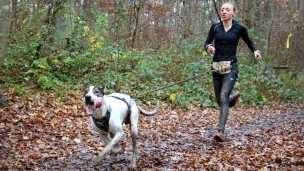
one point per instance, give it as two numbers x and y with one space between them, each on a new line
149 113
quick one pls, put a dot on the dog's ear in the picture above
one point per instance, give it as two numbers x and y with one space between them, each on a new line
102 88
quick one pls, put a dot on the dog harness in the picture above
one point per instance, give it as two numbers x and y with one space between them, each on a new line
103 123
124 100
127 120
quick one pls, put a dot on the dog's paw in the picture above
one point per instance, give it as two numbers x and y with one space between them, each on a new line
97 160
114 157
133 164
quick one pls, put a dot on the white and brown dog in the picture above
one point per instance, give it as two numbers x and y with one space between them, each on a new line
107 115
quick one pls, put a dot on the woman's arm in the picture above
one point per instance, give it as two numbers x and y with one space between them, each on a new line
250 44
209 39
247 40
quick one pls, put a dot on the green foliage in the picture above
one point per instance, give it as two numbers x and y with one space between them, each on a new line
89 58
292 88
47 65
260 85
19 90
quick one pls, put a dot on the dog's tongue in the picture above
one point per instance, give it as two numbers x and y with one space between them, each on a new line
91 108
97 103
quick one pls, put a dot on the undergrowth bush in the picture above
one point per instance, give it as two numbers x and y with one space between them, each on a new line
90 59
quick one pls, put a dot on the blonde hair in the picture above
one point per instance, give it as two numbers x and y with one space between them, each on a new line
231 3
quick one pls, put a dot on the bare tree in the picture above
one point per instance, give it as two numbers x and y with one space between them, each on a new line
122 22
5 6
161 24
137 9
64 21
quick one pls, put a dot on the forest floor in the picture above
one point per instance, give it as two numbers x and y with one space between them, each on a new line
39 133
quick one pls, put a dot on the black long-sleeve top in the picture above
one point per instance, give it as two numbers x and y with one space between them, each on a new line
226 42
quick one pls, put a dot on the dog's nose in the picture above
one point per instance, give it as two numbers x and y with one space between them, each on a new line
87 97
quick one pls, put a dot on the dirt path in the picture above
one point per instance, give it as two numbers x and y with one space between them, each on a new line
266 140
60 139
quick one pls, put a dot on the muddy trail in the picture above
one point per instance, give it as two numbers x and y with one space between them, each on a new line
38 133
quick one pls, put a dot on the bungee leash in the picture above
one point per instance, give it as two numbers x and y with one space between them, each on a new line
197 76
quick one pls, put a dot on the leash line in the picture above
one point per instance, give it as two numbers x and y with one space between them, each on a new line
177 83
212 70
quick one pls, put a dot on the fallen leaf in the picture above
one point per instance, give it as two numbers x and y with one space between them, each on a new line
78 141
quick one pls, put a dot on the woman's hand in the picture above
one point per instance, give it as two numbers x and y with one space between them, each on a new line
211 49
257 55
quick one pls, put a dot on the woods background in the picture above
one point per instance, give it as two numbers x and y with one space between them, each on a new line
50 50
52 42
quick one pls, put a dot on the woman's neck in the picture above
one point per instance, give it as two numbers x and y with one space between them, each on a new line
227 24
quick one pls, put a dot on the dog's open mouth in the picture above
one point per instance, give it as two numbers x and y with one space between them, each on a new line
92 106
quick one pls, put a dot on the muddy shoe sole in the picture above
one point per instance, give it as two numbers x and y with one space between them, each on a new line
218 138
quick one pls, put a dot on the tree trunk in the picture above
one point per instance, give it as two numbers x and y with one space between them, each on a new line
122 22
270 25
137 16
85 4
5 6
64 22
14 16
